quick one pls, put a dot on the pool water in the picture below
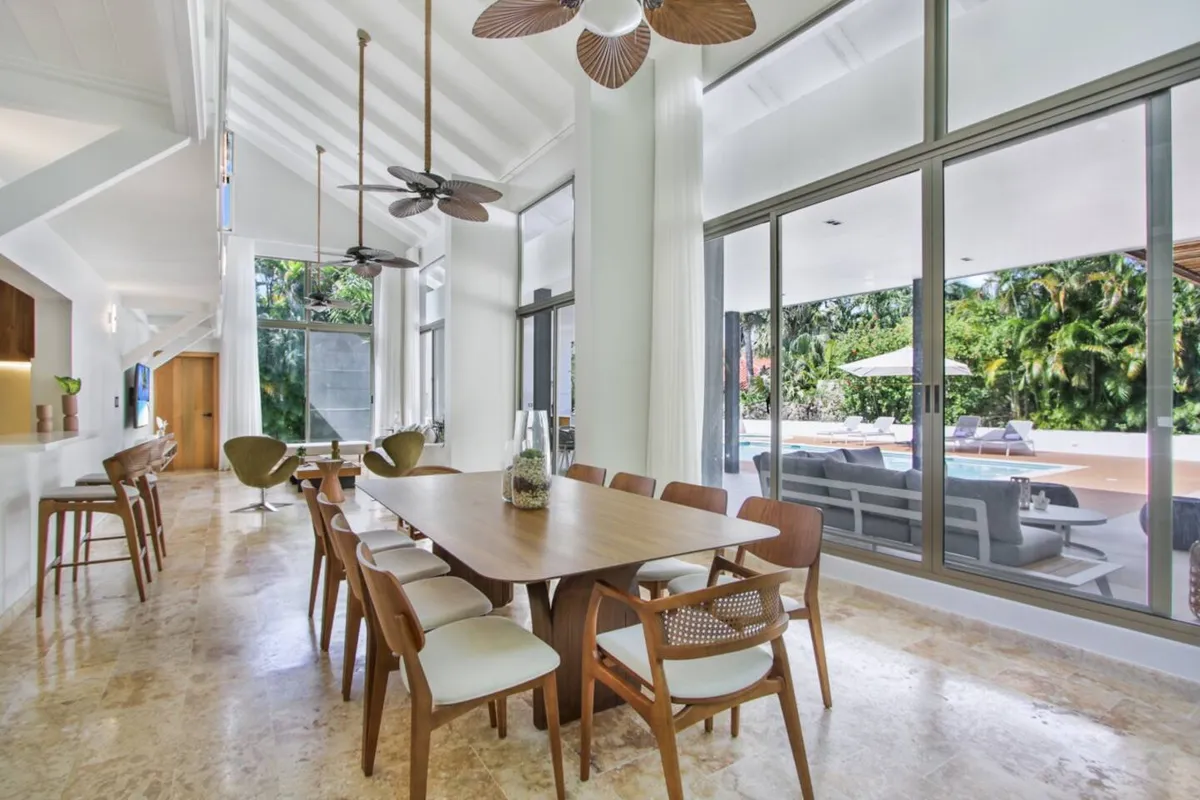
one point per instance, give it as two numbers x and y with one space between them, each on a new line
978 469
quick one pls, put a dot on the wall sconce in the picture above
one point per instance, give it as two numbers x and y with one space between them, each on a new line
110 321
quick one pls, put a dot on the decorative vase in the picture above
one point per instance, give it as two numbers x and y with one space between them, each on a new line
1194 582
70 407
531 462
510 451
45 419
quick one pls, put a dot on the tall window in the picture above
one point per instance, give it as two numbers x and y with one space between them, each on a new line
314 351
433 347
546 316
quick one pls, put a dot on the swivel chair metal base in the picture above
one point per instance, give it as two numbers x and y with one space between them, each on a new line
261 505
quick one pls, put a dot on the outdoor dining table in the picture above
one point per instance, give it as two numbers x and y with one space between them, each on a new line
587 534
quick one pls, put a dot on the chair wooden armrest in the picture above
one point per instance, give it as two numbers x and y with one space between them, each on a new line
721 564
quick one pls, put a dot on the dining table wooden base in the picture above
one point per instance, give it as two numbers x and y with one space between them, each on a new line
498 593
559 622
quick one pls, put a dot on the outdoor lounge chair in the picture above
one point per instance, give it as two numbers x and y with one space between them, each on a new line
1016 435
880 429
849 428
964 431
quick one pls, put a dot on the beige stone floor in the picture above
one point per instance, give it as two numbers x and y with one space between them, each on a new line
215 688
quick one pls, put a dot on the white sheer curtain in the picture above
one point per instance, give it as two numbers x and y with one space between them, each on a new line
677 340
241 408
397 294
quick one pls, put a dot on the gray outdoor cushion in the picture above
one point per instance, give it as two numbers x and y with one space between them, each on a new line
895 528
867 456
795 469
1000 497
1036 544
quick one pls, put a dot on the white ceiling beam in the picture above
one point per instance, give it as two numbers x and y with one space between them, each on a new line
555 50
42 89
182 344
82 174
161 304
503 74
301 164
164 337
181 38
337 163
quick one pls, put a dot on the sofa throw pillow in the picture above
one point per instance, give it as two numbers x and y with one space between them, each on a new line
867 456
795 470
1001 498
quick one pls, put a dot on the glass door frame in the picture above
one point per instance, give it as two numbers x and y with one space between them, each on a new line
1149 84
552 307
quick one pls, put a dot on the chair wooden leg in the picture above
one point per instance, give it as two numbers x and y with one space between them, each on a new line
735 721
663 725
60 522
550 692
376 694
818 640
78 539
44 514
708 725
131 539
87 537
791 719
587 710
354 616
418 767
158 520
333 582
139 523
502 717
492 713
316 578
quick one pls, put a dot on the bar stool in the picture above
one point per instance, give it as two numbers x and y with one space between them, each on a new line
147 486
119 498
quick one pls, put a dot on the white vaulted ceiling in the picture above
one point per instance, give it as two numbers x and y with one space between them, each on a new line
292 79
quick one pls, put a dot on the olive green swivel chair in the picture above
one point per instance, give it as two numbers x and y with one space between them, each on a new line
259 461
400 453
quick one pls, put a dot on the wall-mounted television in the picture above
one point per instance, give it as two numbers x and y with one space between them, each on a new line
138 381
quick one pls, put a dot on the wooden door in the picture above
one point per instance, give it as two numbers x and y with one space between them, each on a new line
185 395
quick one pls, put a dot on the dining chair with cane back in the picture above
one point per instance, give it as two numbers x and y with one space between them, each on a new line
587 474
386 539
634 484
707 651
798 546
655 575
456 668
437 599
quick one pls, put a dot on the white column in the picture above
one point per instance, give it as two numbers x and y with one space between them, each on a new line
614 247
241 404
397 365
481 322
677 343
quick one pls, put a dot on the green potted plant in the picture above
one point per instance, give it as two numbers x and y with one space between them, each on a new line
70 401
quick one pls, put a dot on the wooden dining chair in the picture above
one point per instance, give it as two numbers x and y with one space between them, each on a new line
456 668
798 546
655 575
701 650
582 472
634 484
382 540
437 599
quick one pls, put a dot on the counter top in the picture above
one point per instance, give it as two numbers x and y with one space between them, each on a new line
39 442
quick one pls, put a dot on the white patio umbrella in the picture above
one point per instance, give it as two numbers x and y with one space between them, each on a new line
897 362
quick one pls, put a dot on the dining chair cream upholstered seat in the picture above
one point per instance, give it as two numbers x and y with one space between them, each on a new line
655 575
453 669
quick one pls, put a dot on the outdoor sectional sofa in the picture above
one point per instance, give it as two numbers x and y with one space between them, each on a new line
862 499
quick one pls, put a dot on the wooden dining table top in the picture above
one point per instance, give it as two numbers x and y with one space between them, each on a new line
586 528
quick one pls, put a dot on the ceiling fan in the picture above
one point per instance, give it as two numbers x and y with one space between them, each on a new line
616 36
455 198
319 301
365 261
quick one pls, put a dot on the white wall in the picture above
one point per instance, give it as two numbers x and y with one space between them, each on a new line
481 275
278 209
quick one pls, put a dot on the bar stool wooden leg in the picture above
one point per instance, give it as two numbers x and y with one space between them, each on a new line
143 549
158 519
45 510
60 524
87 539
78 537
135 554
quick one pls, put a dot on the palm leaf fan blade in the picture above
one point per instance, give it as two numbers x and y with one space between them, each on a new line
410 207
461 208
374 187
702 21
367 270
611 62
511 19
471 191
398 263
413 177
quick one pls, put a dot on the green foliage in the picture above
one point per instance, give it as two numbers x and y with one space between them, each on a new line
1062 344
69 385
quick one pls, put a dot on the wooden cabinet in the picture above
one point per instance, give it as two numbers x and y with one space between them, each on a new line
16 324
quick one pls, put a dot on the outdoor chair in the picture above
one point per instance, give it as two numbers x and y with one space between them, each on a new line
849 426
1017 434
964 431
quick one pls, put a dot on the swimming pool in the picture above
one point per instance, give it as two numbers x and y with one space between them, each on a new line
978 469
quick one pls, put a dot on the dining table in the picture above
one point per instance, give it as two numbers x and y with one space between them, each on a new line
586 534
